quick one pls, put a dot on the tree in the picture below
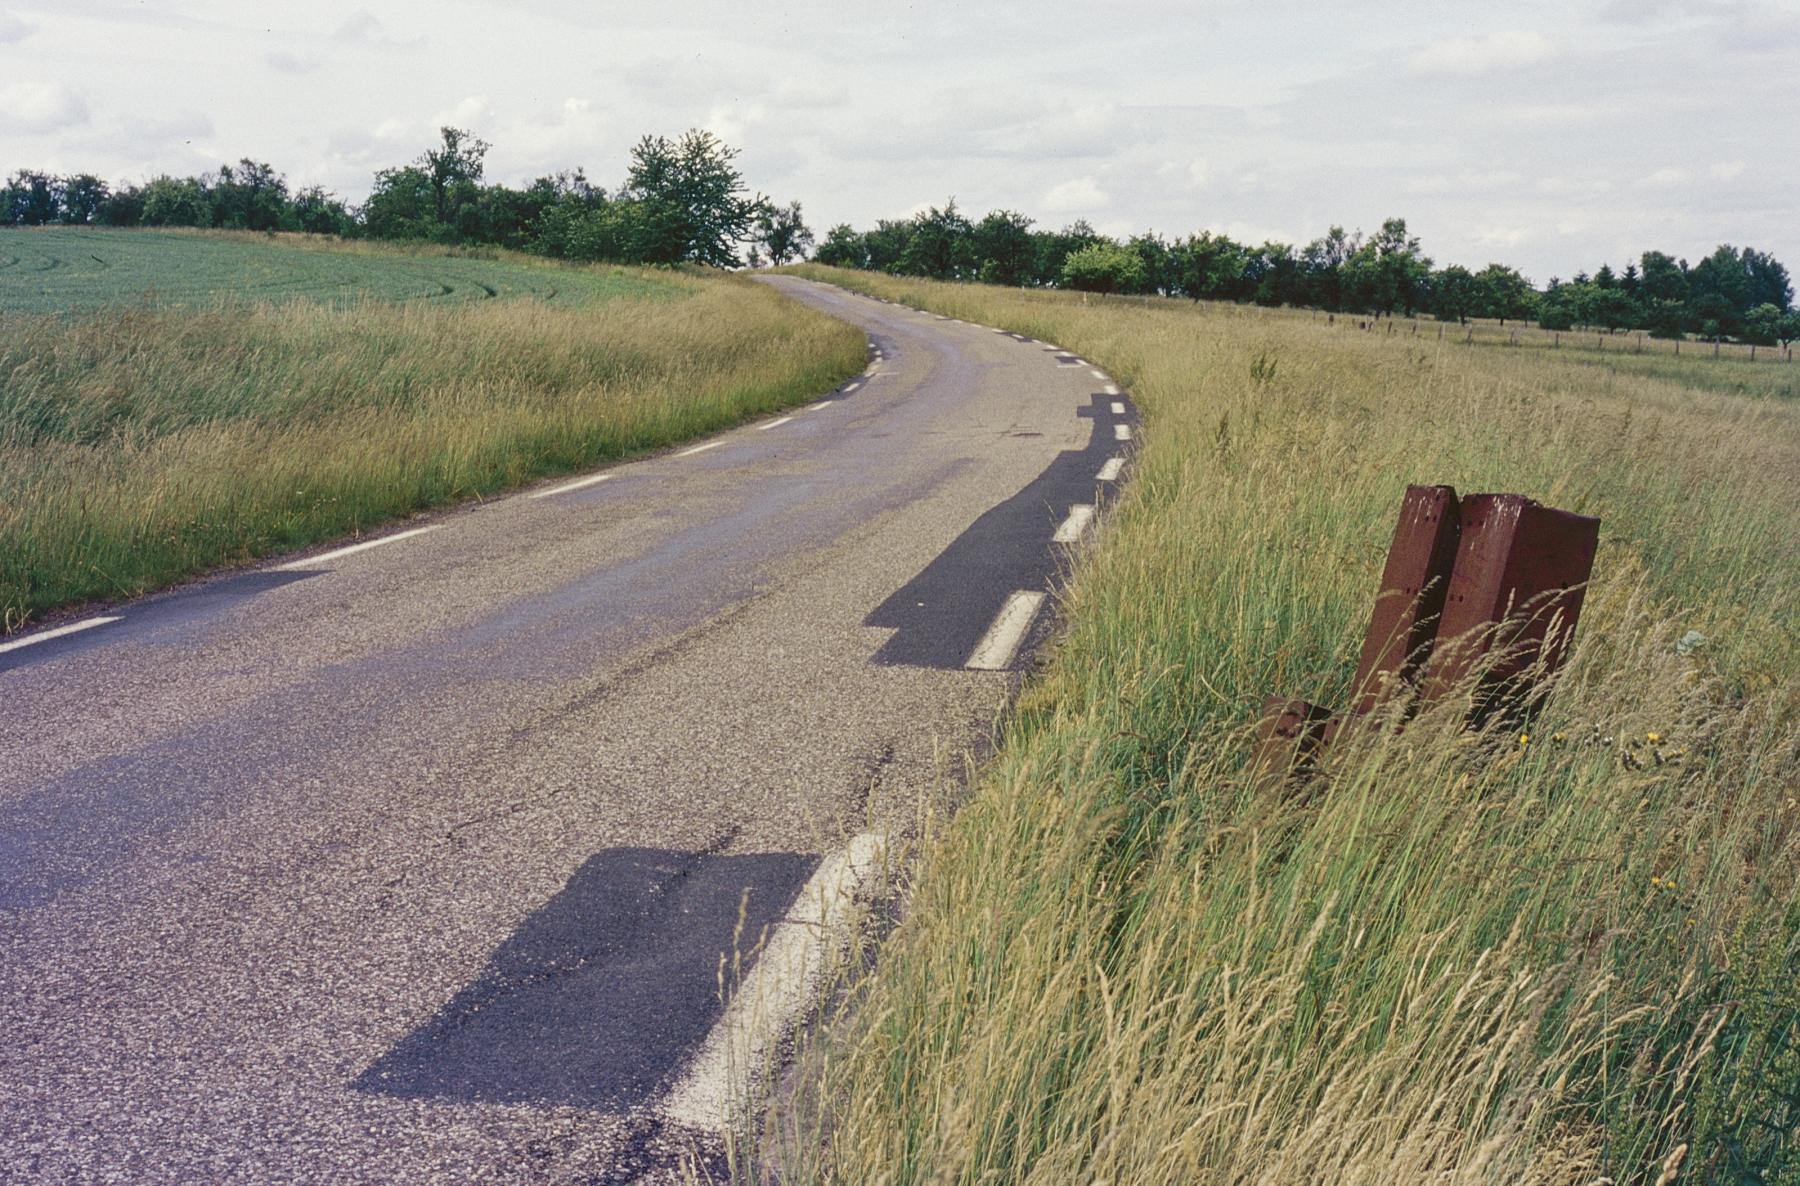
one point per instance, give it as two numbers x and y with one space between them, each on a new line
1762 325
1158 260
318 213
1504 294
783 233
1455 294
83 194
1103 268
941 244
695 204
1209 267
176 201
30 198
1003 249
453 170
402 206
1387 273
252 196
843 248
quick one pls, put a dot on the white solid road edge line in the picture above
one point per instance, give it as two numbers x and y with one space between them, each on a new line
996 649
327 557
568 486
1110 471
773 424
719 1089
699 448
59 632
1080 515
1121 432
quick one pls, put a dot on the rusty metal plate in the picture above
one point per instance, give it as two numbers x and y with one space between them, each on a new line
1411 597
1513 600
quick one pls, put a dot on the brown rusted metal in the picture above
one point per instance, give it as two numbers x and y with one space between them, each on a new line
1411 597
1513 599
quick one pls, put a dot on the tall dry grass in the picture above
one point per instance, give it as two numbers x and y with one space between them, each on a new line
141 445
1454 958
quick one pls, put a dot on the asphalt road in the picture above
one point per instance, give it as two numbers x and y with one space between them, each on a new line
416 864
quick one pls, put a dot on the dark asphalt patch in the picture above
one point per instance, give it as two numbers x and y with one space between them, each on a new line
941 614
604 990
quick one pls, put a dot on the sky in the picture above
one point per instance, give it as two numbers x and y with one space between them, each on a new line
1550 136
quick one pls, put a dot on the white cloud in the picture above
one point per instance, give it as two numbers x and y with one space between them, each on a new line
12 29
1507 50
731 121
1078 196
41 107
365 28
1199 172
1667 177
289 63
1726 171
469 112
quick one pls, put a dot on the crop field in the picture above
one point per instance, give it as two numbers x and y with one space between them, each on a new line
67 269
1565 954
144 443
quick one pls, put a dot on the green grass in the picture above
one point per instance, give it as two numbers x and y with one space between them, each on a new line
65 269
145 443
1453 958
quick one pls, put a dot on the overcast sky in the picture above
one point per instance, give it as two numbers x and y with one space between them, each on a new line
1552 136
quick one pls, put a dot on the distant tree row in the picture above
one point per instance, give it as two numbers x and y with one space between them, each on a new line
683 200
1744 294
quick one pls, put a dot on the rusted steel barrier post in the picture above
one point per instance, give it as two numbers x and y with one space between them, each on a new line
1514 596
1486 589
1413 586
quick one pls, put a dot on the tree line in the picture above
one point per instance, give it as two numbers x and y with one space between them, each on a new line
683 201
1744 294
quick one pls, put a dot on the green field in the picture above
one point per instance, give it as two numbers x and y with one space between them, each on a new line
1568 956
71 269
142 442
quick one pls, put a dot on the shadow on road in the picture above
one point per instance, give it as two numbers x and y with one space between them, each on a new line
601 993
940 615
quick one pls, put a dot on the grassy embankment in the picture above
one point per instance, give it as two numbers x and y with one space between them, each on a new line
144 442
1454 958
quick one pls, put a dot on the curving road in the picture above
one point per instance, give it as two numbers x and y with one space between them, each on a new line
415 863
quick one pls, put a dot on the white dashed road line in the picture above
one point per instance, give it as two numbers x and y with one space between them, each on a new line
997 647
327 557
1118 408
849 387
1112 389
720 1087
815 407
1100 375
699 448
1080 515
1121 432
773 424
59 632
577 484
1110 471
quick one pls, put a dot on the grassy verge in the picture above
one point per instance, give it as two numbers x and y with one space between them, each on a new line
140 445
1568 958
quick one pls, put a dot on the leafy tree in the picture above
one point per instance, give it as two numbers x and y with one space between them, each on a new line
1003 248
1387 273
940 245
1273 273
783 233
177 201
1504 294
1209 267
887 244
1055 247
1769 280
843 248
1762 325
453 170
1455 294
318 213
83 194
1321 265
1663 278
1103 268
695 206
402 205
122 207
252 196
1158 260
1787 330
31 198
